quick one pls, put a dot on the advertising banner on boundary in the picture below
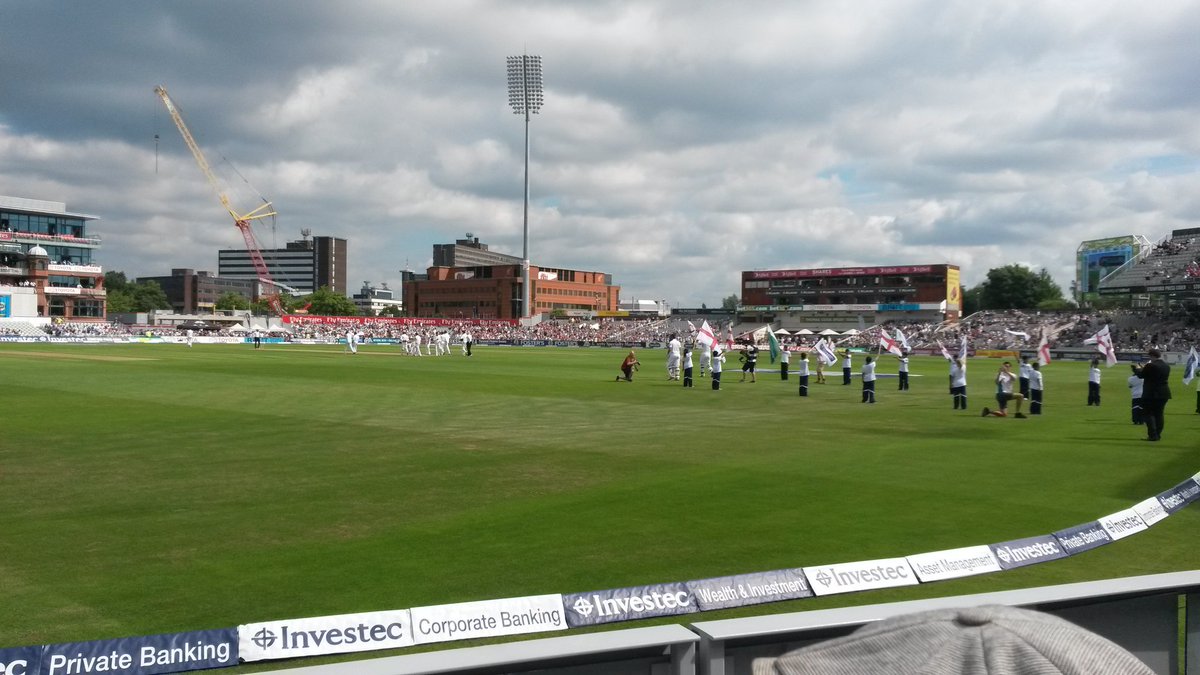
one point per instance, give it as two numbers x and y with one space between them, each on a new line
21 660
146 655
1027 551
740 590
1123 523
393 321
1150 511
953 563
1180 496
628 604
1083 537
860 576
488 618
338 634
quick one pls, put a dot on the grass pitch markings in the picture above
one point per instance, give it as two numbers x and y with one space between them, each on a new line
75 357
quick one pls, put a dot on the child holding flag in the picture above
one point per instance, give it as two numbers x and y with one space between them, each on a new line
1094 383
802 371
718 360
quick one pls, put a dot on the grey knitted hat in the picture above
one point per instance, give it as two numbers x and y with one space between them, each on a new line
984 640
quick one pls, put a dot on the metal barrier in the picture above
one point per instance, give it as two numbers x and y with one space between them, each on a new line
1142 614
1139 613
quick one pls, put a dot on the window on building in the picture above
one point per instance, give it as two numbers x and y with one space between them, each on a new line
89 308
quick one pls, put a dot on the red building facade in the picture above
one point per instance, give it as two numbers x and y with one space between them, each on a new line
494 292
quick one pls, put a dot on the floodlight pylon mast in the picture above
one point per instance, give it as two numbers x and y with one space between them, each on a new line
525 97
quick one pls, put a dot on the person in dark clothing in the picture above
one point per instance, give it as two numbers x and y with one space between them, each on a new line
629 365
1156 392
749 359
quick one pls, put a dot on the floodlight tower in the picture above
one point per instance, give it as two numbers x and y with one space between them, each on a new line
525 97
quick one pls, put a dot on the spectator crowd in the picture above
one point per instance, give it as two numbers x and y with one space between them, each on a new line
1134 330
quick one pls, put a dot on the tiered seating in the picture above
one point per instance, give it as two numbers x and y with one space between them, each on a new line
1172 261
21 329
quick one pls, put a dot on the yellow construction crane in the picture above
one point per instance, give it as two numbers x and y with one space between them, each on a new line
267 285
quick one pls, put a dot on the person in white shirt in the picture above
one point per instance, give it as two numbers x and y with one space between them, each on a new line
673 349
802 372
1035 389
903 372
467 341
351 342
718 359
687 368
417 344
1135 391
846 366
868 381
705 357
1023 374
958 383
404 343
785 356
191 336
1005 379
1094 383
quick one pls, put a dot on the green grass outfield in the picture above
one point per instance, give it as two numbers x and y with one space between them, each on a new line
155 488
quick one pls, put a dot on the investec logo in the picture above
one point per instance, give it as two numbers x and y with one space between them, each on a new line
634 604
1027 551
1180 496
858 576
621 604
325 635
15 667
1123 523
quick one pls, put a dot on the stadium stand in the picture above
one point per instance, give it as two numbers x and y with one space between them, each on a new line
20 329
1172 260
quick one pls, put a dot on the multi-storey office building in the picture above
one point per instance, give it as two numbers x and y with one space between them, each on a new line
192 292
304 265
468 281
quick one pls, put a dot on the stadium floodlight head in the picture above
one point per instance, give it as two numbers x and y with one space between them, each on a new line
525 97
525 84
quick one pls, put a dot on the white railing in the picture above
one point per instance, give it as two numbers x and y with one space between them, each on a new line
1141 614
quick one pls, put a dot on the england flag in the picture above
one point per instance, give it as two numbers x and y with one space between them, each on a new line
890 344
706 337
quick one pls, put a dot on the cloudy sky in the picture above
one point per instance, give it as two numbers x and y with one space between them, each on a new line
680 142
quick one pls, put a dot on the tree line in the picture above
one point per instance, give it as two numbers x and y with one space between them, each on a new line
124 296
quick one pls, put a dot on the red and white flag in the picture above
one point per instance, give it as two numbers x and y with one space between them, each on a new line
1104 344
1043 354
890 344
705 336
